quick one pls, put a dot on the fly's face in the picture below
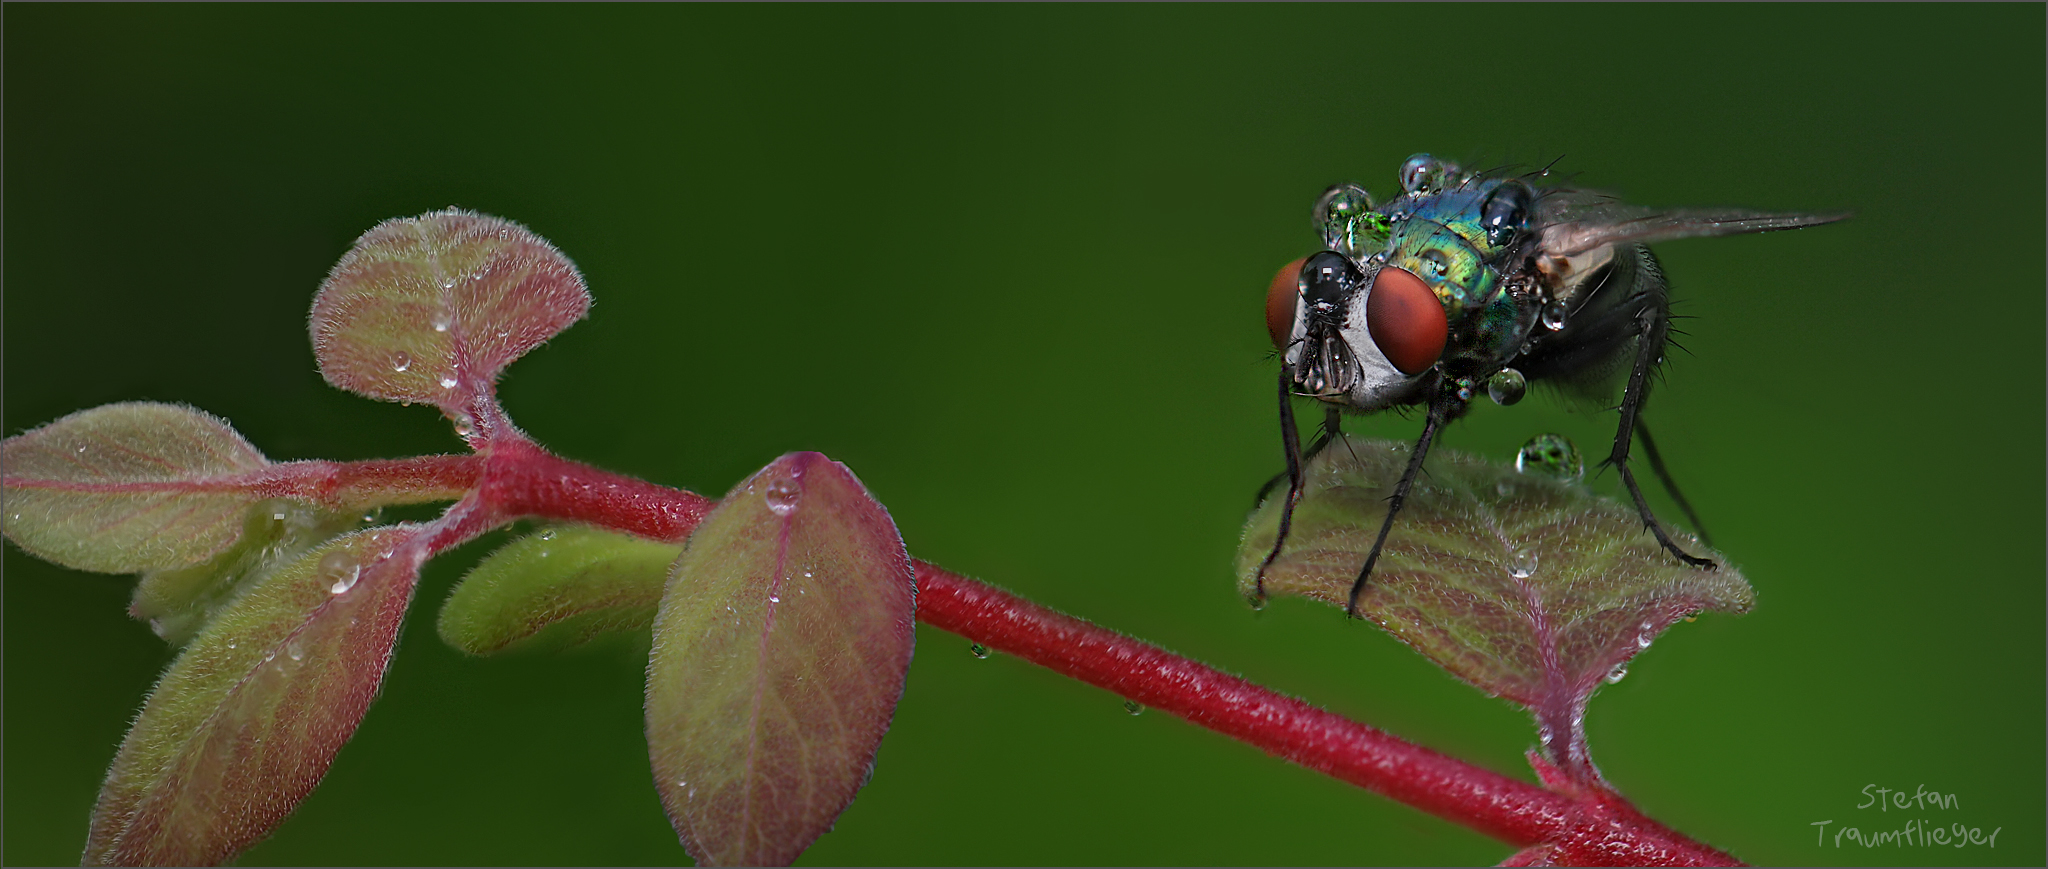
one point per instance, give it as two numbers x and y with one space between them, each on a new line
1336 327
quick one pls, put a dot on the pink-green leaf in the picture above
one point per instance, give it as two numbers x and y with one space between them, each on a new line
177 602
432 308
1528 587
562 585
247 719
779 656
129 487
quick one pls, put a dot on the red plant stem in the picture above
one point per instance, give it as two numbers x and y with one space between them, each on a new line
519 478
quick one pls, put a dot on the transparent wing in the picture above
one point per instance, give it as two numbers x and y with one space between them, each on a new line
1572 222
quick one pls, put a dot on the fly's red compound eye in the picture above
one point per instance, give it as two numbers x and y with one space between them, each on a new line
1405 320
1280 296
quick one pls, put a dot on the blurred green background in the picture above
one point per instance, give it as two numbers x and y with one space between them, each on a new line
1007 263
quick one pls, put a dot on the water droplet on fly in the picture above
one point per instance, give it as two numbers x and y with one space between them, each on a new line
1522 564
978 650
232 644
463 426
1506 386
1435 263
548 534
1133 707
448 283
402 361
1551 455
1345 220
441 321
1553 316
775 598
782 496
295 651
447 383
1617 674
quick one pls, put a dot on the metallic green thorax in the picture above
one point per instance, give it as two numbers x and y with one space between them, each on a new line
1436 235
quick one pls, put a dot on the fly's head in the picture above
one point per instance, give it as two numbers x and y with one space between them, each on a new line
1405 294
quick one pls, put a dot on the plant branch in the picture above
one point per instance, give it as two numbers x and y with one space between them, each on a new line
1587 828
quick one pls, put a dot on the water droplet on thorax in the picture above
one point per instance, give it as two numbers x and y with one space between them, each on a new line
295 651
463 426
775 598
402 361
1506 386
978 650
782 496
441 321
448 283
447 383
1617 674
1133 707
1553 316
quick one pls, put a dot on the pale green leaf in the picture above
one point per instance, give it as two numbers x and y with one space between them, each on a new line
557 587
177 602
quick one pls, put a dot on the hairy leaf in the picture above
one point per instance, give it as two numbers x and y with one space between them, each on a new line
1528 587
779 656
562 585
432 308
178 602
247 719
129 487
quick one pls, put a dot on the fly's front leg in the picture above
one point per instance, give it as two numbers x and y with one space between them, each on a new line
1651 329
1440 410
1292 440
1333 427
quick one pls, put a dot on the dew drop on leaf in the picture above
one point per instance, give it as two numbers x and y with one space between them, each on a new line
1522 564
343 566
782 496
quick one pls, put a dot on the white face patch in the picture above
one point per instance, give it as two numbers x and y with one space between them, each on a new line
1378 384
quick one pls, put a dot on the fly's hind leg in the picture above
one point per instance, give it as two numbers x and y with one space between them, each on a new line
1664 476
1651 329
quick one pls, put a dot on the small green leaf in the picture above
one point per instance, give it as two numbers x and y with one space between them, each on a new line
432 308
129 487
178 602
248 718
1528 587
779 656
558 586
